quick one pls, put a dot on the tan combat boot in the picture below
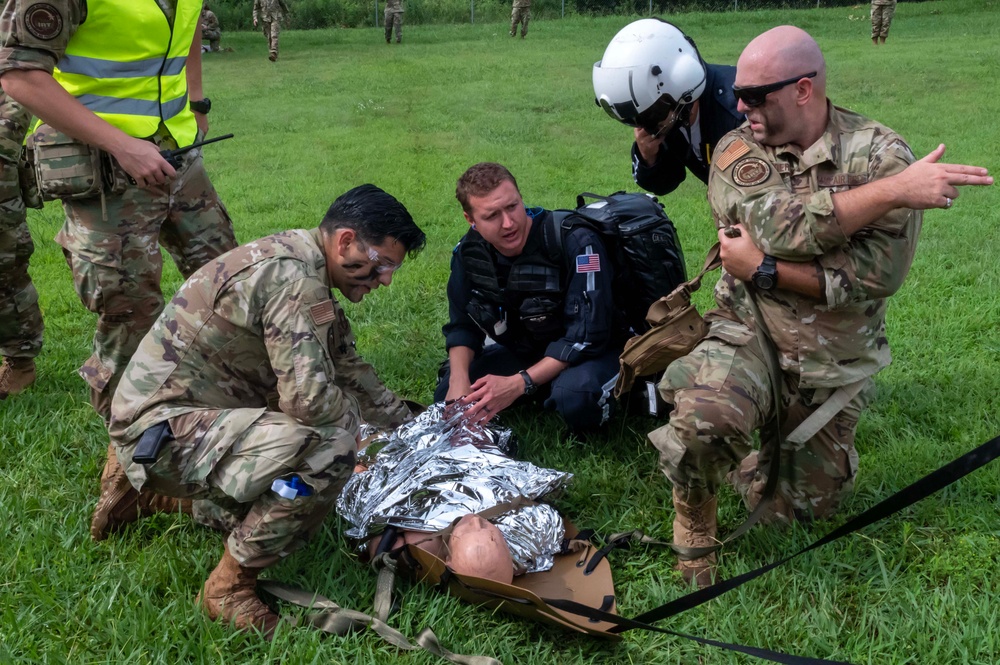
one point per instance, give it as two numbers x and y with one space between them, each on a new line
695 526
16 374
120 503
230 594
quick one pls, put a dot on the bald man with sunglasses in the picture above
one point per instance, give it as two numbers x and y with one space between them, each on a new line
818 211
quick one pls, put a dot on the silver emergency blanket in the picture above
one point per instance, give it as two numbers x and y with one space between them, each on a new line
437 468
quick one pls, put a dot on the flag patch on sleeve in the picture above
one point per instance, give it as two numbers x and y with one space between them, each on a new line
588 263
322 312
736 150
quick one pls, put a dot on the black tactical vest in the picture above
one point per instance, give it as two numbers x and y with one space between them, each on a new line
526 313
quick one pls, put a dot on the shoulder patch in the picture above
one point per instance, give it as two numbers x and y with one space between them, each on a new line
43 21
736 149
588 263
751 171
322 312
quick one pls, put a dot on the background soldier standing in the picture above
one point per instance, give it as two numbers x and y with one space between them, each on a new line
882 13
20 318
394 17
252 374
210 28
520 13
270 13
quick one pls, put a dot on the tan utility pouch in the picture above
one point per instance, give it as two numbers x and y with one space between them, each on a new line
26 179
677 327
64 167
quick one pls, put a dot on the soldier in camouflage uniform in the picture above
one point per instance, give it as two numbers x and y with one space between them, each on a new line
20 318
252 366
111 242
393 17
827 204
210 29
882 13
520 13
270 13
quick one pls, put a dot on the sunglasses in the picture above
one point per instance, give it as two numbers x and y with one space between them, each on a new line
756 95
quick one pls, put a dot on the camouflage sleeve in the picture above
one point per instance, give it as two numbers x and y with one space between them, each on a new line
379 405
14 123
34 34
744 186
256 10
297 313
876 260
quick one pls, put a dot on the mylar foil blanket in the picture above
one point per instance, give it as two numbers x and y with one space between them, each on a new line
436 468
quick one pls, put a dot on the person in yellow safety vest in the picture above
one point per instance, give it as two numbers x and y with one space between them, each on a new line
131 99
67 63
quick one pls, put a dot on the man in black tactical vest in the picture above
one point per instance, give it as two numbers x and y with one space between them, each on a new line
528 317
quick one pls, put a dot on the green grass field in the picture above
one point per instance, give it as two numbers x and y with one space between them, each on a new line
341 108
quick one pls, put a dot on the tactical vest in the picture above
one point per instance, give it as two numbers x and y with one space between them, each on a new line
136 83
527 313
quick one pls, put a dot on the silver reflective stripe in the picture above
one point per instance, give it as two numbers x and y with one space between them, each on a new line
590 275
174 106
105 104
123 106
99 68
605 401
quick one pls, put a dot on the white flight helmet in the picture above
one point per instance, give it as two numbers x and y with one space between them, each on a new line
650 74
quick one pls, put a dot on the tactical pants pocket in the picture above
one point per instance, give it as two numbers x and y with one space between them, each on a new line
711 363
96 261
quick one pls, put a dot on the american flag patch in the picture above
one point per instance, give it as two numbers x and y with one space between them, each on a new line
322 313
588 263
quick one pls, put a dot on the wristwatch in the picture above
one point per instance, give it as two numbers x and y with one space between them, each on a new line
766 277
529 385
202 106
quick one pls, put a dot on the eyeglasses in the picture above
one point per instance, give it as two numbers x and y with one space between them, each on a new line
383 265
756 95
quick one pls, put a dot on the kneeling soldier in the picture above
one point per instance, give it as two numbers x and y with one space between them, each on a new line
251 384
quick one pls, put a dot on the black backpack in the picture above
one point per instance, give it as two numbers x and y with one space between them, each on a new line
641 241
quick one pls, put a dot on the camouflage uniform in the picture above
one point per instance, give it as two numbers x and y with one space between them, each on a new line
394 17
257 326
210 29
111 245
722 390
20 318
520 13
270 13
882 13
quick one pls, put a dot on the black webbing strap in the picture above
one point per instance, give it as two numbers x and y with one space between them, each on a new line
904 498
573 607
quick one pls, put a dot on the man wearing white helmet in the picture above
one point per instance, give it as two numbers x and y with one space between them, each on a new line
653 78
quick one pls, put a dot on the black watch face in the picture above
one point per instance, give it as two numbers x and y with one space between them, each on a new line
763 281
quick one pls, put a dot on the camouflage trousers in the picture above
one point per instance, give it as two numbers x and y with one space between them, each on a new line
881 19
226 461
272 29
722 394
20 318
393 20
116 261
520 15
214 38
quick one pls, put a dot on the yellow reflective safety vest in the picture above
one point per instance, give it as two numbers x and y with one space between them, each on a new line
127 64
